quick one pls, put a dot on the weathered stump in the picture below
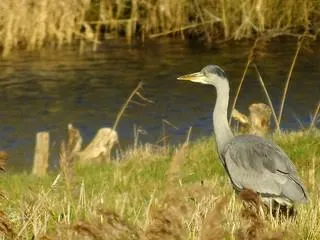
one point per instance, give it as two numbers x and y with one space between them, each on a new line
41 155
99 149
258 122
74 142
68 153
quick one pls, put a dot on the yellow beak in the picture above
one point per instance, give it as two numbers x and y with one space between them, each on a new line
194 77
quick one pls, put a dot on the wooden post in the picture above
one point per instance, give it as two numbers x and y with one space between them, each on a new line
41 155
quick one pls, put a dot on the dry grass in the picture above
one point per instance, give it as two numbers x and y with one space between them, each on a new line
33 24
210 19
212 227
159 194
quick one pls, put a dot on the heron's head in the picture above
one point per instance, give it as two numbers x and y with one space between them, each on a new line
211 74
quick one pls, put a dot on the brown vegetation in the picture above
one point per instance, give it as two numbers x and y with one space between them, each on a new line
254 225
31 24
6 230
3 160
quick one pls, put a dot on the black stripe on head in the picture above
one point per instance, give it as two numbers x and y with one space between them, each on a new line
214 69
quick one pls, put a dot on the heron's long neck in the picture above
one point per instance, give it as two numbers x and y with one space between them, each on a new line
221 126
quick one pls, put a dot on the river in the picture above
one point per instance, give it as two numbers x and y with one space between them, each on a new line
47 89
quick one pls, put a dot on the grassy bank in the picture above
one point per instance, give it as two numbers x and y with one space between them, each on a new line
156 192
32 24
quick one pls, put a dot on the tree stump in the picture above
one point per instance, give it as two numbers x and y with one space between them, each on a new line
99 149
41 155
68 153
258 122
74 142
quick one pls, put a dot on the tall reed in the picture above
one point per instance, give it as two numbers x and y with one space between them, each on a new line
33 24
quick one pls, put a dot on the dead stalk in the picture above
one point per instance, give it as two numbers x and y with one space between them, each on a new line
188 136
315 116
239 87
267 96
125 105
284 95
251 56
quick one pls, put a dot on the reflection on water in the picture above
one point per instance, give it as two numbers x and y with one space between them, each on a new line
49 89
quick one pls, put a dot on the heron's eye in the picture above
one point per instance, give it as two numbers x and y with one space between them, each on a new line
205 73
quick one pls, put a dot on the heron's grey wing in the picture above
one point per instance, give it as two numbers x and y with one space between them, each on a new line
260 165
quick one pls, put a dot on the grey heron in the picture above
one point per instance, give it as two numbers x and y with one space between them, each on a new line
251 162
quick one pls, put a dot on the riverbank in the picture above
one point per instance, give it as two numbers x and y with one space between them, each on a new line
32 24
155 192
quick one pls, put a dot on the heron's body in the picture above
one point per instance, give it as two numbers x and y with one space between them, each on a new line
255 163
251 162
